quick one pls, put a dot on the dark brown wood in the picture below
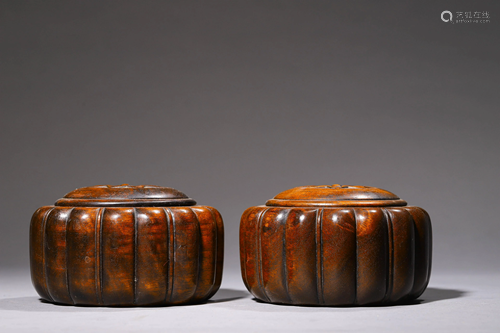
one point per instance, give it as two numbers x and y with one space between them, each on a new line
127 254
125 196
332 246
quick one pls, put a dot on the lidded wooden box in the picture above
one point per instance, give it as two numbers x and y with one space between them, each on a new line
126 245
335 245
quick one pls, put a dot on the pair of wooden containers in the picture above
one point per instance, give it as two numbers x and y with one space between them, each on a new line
148 245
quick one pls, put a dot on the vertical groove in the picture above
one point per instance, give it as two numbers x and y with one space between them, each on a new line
415 233
216 256
200 249
214 219
44 227
98 254
134 281
101 263
260 278
284 267
45 245
171 254
174 247
356 257
243 253
66 253
414 227
390 254
429 250
167 282
319 256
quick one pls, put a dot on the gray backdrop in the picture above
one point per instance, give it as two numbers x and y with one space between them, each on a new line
233 102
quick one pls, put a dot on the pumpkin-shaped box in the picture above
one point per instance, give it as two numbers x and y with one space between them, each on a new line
335 245
126 245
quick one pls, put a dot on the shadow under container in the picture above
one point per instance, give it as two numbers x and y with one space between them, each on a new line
126 246
335 245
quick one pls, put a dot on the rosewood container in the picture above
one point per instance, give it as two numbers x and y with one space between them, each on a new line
335 245
126 245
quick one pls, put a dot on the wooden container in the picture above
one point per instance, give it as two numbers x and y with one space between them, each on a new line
126 245
335 245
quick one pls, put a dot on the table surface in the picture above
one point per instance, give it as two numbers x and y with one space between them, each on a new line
453 302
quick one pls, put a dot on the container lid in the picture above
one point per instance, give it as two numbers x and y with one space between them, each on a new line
335 196
125 196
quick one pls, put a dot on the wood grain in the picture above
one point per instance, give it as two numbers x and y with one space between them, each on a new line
126 256
335 255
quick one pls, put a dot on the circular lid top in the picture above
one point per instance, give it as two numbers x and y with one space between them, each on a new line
125 196
335 196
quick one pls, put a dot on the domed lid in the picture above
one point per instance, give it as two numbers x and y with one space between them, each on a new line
335 196
125 196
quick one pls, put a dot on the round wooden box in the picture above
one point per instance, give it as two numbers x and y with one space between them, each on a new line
335 245
126 245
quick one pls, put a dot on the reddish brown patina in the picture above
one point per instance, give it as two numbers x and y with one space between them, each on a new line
335 245
126 245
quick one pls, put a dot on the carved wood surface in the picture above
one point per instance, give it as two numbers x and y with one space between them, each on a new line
335 255
126 255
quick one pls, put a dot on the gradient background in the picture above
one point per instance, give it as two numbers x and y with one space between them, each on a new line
233 102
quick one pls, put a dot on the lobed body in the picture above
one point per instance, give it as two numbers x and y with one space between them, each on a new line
126 255
335 256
